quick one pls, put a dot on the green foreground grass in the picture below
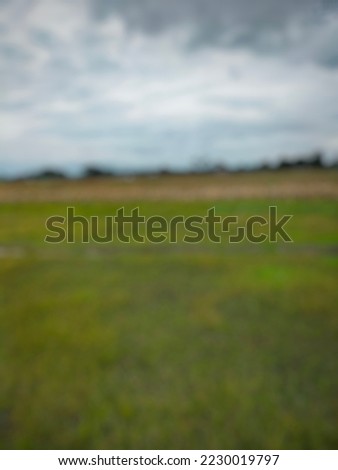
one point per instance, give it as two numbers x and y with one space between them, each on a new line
169 346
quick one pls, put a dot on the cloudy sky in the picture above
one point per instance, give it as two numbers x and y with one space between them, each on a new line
139 84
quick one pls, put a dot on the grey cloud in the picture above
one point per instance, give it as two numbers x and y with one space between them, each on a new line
43 37
262 26
331 61
157 15
13 53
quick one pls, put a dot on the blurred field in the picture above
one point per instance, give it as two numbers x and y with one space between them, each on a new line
307 183
170 346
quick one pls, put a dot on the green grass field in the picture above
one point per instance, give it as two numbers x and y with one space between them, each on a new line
169 346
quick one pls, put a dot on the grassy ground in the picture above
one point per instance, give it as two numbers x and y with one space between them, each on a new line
169 346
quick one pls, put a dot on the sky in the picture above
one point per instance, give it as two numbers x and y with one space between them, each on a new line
159 84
